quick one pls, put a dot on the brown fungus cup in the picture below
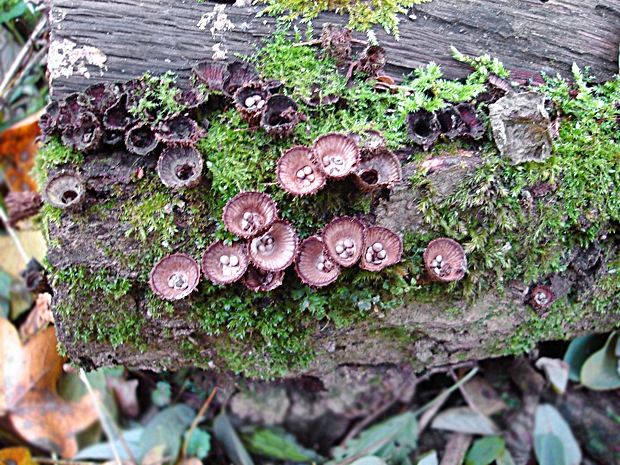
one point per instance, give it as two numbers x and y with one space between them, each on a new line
64 189
174 277
336 155
257 280
280 116
314 267
275 248
180 166
378 171
224 264
248 213
297 173
344 240
445 260
542 297
250 101
382 247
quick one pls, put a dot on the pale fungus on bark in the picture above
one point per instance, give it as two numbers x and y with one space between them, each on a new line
174 277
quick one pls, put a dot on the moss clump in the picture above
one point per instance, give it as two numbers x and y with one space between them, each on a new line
363 14
507 238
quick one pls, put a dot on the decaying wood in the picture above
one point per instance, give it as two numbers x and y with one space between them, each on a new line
527 35
119 40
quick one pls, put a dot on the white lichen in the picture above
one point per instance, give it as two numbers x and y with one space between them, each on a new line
65 59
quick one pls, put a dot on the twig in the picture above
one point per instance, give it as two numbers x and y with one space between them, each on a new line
24 72
104 423
472 405
310 42
447 392
61 461
23 52
11 231
201 412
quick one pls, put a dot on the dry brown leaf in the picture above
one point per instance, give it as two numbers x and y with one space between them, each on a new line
29 374
38 318
484 397
125 394
18 455
17 151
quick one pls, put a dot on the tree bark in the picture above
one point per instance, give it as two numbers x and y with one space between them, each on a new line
134 37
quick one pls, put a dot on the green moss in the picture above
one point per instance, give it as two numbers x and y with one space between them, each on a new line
266 334
53 155
363 14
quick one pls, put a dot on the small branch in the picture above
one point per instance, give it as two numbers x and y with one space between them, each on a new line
22 54
61 461
201 412
11 231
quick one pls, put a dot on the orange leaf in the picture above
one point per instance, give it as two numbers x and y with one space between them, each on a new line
30 373
17 151
19 455
38 318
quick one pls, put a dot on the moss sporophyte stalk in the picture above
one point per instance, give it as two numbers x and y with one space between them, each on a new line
515 222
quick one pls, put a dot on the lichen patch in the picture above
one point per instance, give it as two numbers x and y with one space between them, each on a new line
65 60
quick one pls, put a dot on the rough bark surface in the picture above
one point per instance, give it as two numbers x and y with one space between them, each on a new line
159 36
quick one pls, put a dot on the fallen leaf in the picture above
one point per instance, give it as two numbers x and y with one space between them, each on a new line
556 371
482 394
464 420
125 393
600 370
17 455
549 423
579 350
485 450
17 151
38 318
154 455
456 449
29 374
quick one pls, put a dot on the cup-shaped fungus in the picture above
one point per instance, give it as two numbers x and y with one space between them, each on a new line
473 123
178 129
445 260
381 170
250 101
542 297
117 117
49 121
238 74
297 172
451 124
180 166
344 240
85 135
174 277
318 98
224 264
248 213
313 266
64 189
101 97
280 116
256 279
372 60
336 155
274 249
212 74
422 128
141 139
382 247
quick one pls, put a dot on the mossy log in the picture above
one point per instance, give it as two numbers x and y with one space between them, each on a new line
97 261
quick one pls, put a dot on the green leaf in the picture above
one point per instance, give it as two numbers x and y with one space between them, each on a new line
225 433
504 458
199 444
5 294
429 458
103 450
600 370
549 450
579 350
393 439
277 443
549 421
369 460
18 9
166 428
485 450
